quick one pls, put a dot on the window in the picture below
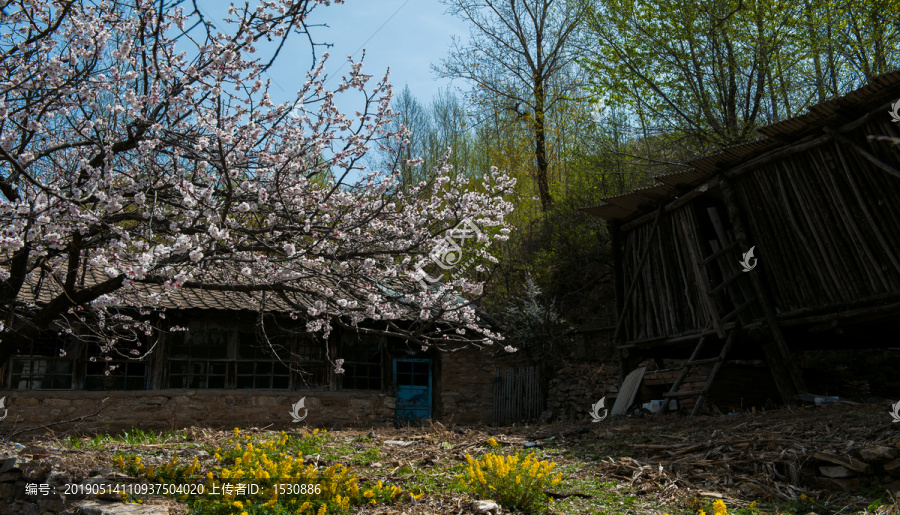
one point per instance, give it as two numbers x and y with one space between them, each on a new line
413 373
40 366
41 374
217 357
309 357
362 361
126 375
258 364
198 359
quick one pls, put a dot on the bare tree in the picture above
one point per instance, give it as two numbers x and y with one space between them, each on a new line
515 51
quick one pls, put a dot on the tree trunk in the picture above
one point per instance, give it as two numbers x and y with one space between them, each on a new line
540 147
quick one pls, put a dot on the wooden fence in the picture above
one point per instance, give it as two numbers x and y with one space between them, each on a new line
517 395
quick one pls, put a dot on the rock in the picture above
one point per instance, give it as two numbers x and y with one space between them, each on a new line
117 508
372 434
11 476
195 453
835 471
485 506
845 484
878 454
7 464
58 479
893 467
844 461
893 486
36 471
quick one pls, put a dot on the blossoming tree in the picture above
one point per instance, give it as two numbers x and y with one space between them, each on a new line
139 146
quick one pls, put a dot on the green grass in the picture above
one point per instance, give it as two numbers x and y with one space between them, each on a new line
130 437
439 474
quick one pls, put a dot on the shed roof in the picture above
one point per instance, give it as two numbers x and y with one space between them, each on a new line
828 114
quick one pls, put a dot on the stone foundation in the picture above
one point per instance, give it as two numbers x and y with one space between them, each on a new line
175 409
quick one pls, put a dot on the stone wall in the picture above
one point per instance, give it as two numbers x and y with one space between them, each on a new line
175 409
575 387
465 390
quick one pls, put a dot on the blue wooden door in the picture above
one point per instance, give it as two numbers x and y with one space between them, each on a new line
412 380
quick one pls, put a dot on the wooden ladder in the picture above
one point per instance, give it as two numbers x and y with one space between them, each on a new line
743 300
693 361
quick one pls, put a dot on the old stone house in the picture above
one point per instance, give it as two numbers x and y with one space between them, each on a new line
221 370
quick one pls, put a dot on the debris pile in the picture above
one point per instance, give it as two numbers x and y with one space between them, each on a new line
777 456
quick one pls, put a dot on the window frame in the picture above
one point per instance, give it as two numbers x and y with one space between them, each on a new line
377 362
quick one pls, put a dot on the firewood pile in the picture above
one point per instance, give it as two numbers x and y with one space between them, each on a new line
777 456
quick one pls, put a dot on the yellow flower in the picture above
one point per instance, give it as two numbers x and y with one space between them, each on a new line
803 497
753 505
238 504
719 507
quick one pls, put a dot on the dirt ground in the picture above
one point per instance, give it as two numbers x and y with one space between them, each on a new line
816 459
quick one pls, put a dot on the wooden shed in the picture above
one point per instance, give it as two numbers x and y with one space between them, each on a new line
817 198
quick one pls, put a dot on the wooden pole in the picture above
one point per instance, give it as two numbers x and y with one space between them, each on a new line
781 362
637 273
706 295
625 360
617 242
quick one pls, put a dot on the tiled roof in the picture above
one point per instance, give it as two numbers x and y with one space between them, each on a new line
42 292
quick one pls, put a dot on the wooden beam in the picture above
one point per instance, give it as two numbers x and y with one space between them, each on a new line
706 296
874 311
671 206
781 362
862 152
617 242
637 273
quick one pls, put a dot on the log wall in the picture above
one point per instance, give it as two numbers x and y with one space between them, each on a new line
823 220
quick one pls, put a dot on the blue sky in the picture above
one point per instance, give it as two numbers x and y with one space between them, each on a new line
407 35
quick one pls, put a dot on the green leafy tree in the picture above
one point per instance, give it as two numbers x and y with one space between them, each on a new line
516 49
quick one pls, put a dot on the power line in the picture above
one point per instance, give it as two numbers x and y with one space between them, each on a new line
370 38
